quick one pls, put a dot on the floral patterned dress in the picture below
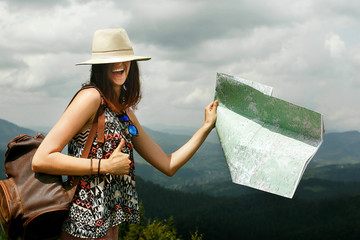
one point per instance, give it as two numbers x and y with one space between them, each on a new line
102 202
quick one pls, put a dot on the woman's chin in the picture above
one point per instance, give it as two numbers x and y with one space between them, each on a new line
118 81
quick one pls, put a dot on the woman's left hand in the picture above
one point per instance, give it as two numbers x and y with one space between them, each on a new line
210 114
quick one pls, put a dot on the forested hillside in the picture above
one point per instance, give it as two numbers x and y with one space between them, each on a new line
326 204
319 210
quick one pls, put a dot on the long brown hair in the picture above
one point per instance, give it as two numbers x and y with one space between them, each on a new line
130 93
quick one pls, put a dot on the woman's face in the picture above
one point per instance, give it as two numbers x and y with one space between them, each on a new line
118 72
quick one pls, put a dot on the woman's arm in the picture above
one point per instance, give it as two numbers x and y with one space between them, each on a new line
169 164
77 117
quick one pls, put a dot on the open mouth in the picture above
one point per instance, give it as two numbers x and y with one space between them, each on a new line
119 70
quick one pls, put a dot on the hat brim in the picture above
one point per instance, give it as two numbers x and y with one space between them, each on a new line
113 60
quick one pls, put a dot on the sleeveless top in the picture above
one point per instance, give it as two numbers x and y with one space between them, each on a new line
101 202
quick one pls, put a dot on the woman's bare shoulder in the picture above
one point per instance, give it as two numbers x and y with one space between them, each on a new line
91 94
83 108
85 103
89 97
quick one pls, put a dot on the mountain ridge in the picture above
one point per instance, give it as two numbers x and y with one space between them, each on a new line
10 130
340 148
337 158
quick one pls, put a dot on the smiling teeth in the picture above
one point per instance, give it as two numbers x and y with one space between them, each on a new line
118 70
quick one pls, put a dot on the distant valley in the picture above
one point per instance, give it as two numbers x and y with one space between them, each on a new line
338 159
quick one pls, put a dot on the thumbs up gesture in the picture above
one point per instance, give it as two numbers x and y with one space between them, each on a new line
118 163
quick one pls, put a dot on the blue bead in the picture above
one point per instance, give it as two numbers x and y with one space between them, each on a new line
132 130
124 118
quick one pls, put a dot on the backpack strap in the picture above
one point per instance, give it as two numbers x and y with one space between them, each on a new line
101 125
97 126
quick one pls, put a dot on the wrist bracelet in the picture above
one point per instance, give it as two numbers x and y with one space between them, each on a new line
99 167
91 166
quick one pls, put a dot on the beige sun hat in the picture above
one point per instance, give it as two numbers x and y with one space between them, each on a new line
110 46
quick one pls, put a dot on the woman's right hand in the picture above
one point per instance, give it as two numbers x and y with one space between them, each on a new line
118 163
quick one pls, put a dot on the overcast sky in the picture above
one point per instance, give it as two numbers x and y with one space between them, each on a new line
307 50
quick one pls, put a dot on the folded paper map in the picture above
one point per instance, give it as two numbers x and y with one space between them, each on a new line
267 142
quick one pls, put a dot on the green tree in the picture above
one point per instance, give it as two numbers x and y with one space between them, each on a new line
2 236
196 235
153 230
148 230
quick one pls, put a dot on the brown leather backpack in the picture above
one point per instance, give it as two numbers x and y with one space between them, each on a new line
35 205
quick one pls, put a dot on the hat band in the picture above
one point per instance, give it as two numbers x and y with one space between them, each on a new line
113 53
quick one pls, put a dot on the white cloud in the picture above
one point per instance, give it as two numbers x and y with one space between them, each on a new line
308 51
335 45
61 28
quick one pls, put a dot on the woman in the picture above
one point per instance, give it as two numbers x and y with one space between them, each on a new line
106 195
